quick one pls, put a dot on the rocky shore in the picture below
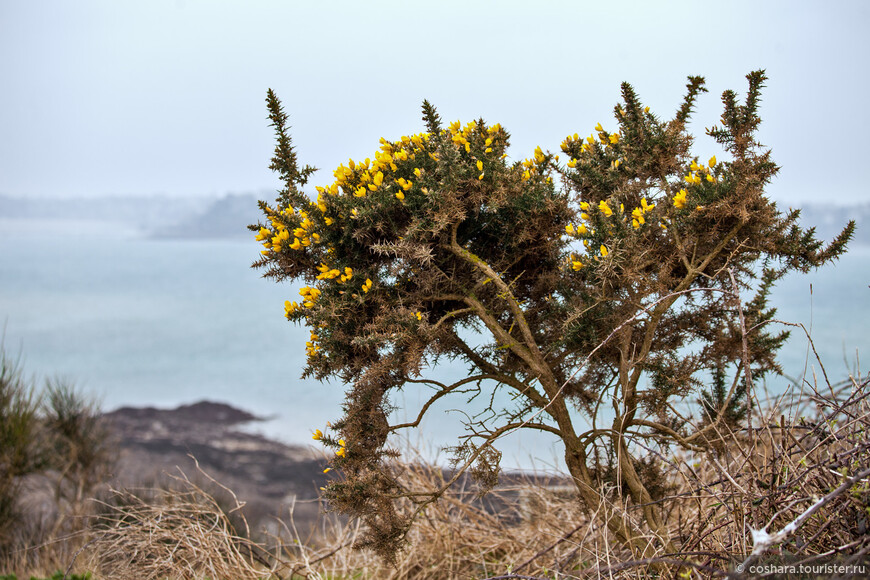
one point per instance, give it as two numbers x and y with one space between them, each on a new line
269 476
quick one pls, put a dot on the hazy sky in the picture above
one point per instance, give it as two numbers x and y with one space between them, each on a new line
121 97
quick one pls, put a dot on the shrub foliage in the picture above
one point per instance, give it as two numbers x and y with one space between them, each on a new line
607 276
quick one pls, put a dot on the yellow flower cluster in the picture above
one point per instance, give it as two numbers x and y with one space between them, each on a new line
405 185
362 178
462 137
637 214
580 230
459 135
309 295
327 273
342 446
534 165
588 145
694 178
695 172
276 239
367 285
311 347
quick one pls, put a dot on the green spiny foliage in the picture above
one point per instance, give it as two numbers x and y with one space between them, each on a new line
613 279
21 450
55 433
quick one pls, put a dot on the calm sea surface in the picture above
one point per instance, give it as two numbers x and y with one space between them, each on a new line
136 321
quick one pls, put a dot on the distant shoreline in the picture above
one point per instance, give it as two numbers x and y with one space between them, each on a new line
227 216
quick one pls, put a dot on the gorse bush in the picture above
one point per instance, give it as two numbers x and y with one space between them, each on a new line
610 275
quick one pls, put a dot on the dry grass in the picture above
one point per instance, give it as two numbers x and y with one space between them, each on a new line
766 477
462 536
181 534
804 448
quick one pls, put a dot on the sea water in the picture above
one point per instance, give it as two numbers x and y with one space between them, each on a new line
146 322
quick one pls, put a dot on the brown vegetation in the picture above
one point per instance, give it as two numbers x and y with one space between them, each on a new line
806 447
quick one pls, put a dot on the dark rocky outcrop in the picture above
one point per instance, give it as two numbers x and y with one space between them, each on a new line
267 475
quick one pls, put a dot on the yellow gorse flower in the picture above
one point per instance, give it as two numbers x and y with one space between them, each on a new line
327 273
604 208
680 199
290 308
637 217
646 207
318 435
603 250
310 296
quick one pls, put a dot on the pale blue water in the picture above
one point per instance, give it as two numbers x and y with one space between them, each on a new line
164 322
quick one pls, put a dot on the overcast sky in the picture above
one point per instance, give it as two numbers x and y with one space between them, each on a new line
167 96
